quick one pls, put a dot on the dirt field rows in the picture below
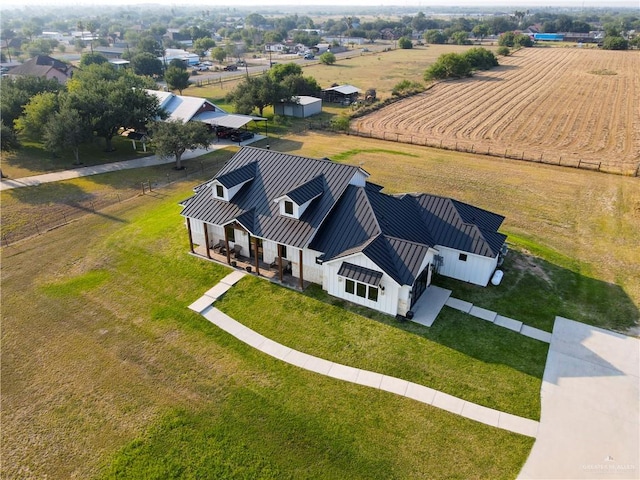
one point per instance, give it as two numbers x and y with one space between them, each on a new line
556 104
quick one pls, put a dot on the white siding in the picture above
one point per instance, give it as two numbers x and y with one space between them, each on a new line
334 285
197 231
359 179
477 269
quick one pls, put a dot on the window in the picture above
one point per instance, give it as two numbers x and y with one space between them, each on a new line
283 250
462 257
288 207
231 233
219 191
373 294
361 289
350 286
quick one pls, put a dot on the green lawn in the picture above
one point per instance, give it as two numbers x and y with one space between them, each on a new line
106 373
451 356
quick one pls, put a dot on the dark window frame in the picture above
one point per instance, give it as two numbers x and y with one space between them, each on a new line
288 207
462 257
219 191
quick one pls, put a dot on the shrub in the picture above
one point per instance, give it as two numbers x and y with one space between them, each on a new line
405 43
340 124
448 65
407 87
327 58
503 50
615 43
480 58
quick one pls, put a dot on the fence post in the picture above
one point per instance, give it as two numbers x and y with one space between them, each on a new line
505 153
522 156
489 151
37 228
579 161
540 158
142 185
149 184
560 161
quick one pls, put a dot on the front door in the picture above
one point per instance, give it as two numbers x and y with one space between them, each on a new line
420 285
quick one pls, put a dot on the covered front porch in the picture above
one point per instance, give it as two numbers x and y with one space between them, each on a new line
248 264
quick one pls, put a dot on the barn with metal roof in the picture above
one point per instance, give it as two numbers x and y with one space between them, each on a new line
338 230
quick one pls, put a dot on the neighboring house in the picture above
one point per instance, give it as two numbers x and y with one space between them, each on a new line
301 107
333 228
177 54
44 66
344 94
275 47
111 52
199 109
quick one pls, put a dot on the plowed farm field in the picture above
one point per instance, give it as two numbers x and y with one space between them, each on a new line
577 107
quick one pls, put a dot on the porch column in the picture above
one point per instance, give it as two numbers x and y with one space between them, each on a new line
190 237
301 277
226 245
206 239
280 263
255 253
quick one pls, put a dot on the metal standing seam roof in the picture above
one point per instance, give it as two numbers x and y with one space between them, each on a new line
228 120
307 191
360 274
238 176
343 89
180 107
276 174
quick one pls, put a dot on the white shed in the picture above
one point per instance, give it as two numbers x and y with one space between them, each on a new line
300 107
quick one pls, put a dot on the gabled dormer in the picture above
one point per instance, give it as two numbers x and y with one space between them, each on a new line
294 203
227 185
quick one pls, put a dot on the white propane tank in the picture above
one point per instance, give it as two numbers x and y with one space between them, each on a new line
497 277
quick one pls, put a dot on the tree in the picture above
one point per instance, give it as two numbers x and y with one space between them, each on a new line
8 139
110 99
177 78
67 129
146 64
480 31
219 54
92 58
150 45
522 40
503 50
507 39
327 58
448 65
201 45
256 92
173 138
16 93
36 114
615 43
405 43
459 38
435 37
296 85
280 71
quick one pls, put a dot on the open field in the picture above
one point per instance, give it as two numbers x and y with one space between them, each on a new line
106 373
556 104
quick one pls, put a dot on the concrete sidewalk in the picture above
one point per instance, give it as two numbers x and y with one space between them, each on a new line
420 393
151 161
590 417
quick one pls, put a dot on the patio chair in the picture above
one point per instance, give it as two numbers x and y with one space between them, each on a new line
236 251
219 245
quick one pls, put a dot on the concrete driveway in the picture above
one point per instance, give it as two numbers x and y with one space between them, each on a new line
589 425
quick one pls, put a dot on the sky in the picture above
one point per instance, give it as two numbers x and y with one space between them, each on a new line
514 4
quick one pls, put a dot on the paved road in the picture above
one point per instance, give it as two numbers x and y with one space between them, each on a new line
590 419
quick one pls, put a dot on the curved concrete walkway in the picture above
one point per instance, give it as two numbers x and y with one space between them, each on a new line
488 416
150 161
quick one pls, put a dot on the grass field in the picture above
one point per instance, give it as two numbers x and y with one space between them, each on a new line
107 373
